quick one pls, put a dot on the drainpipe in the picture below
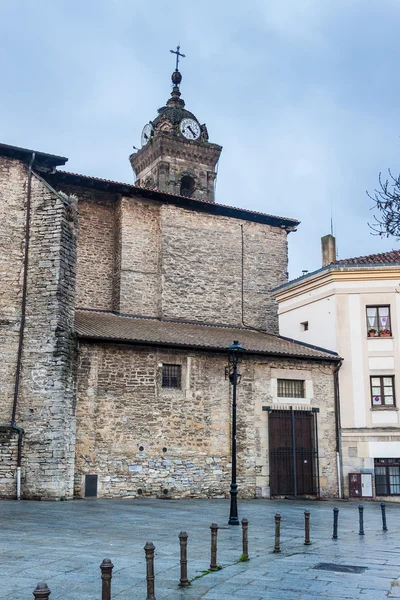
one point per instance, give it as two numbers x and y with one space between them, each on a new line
338 428
22 327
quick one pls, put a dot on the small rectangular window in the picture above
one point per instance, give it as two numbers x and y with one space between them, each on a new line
290 388
382 391
171 376
378 321
304 326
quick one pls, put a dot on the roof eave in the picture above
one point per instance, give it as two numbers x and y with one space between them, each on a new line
132 342
188 203
330 269
25 155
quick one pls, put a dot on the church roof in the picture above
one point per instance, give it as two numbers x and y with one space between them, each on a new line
118 187
110 327
175 114
24 154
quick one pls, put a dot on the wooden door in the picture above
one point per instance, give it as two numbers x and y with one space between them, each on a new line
292 454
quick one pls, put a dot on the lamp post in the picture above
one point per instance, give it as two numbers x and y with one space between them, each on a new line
235 357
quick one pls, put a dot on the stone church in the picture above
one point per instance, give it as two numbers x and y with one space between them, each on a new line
117 305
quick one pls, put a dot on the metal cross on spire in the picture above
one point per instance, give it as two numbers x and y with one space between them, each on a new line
178 54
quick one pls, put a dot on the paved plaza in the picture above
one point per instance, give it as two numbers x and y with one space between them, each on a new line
63 544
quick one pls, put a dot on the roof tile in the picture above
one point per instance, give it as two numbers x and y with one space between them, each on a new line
385 258
107 326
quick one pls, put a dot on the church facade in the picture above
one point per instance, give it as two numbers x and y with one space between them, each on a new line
118 304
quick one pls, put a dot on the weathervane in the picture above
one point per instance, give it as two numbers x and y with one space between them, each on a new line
178 54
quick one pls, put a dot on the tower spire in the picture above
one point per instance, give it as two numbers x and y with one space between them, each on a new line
176 79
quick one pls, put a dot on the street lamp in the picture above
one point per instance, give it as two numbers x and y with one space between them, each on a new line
235 357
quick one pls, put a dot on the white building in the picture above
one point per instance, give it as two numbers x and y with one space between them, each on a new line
352 306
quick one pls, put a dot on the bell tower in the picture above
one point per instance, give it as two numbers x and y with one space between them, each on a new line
176 156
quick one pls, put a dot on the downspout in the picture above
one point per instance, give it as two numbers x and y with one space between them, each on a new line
14 426
338 428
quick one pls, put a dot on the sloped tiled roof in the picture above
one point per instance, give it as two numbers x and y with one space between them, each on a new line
385 258
66 177
107 326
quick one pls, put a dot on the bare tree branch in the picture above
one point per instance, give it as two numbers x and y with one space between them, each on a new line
387 201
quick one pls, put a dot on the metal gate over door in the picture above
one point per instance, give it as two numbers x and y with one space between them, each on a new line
293 452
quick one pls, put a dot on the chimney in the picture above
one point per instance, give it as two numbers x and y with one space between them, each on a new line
328 244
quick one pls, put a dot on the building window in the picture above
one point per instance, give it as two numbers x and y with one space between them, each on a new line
290 388
378 321
304 326
382 391
187 186
387 476
171 376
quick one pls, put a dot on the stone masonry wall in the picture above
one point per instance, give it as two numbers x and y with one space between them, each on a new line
13 181
8 461
202 268
144 258
145 440
46 398
140 258
97 250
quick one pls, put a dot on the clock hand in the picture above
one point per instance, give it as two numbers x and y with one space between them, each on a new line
190 129
146 137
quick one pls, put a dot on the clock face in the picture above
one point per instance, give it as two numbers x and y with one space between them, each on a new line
146 133
190 129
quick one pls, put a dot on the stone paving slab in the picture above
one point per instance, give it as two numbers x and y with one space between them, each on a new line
63 543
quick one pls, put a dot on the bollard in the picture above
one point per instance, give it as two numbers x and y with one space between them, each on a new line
335 523
106 575
214 533
41 592
183 537
383 509
361 519
245 538
307 528
277 547
149 552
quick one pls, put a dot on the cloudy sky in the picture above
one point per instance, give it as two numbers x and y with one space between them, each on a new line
302 94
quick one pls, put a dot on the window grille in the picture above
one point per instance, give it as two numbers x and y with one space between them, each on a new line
378 321
290 388
387 476
382 391
171 376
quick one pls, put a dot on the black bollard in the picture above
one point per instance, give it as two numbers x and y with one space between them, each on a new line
335 522
214 533
361 519
183 537
149 552
41 592
277 547
245 538
383 509
307 528
106 575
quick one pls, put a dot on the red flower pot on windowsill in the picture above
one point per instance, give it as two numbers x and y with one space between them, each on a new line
385 333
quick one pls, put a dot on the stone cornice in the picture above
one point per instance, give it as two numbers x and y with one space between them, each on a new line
164 144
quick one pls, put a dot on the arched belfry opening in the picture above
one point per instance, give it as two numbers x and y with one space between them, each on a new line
187 186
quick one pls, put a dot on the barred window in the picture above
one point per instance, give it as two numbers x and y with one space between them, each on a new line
290 388
171 376
387 476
